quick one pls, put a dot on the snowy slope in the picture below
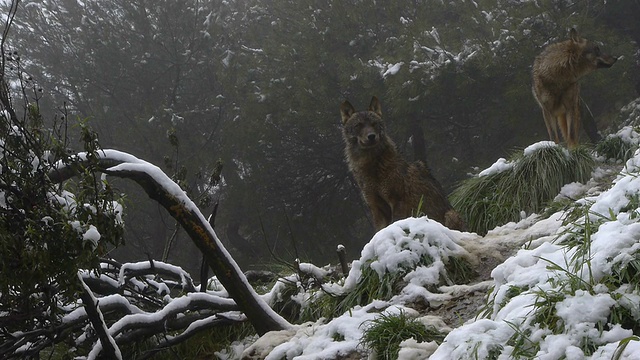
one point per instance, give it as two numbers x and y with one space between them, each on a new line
564 286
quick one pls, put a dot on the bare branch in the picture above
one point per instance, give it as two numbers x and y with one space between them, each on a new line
109 346
168 194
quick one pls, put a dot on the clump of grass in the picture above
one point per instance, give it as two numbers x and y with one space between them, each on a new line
523 347
286 305
373 286
321 305
385 333
576 275
618 146
529 185
459 271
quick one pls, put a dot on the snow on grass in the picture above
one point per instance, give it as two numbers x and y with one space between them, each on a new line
559 290
499 166
402 245
529 150
561 294
565 299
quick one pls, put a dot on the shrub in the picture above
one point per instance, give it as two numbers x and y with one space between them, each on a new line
47 232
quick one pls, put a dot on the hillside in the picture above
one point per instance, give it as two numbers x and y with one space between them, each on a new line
561 286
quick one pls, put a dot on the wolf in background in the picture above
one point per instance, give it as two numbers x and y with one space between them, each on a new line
392 188
556 72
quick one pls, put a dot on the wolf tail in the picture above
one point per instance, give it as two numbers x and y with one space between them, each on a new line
454 221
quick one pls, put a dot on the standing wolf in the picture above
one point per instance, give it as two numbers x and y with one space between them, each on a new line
392 188
556 72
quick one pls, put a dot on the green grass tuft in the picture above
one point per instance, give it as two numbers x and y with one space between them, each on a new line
533 181
614 147
371 286
385 333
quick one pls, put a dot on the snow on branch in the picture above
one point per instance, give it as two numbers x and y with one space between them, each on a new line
179 313
133 314
167 193
131 270
111 349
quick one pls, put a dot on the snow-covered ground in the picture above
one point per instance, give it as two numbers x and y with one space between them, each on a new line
564 290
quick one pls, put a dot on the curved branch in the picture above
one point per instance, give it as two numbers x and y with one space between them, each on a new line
167 193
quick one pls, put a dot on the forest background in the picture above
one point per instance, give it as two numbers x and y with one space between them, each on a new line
253 88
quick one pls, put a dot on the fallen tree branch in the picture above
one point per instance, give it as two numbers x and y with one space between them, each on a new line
110 349
142 268
136 326
167 193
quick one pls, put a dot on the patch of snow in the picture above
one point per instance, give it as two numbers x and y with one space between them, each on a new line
499 166
91 236
393 69
529 150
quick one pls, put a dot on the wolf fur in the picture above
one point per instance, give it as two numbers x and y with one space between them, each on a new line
556 72
392 188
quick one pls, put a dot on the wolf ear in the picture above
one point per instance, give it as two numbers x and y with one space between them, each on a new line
375 106
573 35
346 110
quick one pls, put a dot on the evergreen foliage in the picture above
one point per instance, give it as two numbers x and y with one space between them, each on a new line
47 232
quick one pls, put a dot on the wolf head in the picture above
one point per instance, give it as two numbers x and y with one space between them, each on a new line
590 53
364 129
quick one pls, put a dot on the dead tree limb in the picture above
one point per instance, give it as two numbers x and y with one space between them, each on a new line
109 348
167 193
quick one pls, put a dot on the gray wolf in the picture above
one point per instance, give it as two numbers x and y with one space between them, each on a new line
556 72
392 188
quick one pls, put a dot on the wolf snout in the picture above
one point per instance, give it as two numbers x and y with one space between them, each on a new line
369 140
607 62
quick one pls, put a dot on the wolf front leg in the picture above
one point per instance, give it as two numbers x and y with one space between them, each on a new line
381 212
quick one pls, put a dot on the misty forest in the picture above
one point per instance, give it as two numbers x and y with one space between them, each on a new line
173 181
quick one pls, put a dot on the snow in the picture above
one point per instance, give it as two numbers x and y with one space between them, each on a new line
393 69
132 163
540 145
313 270
542 275
91 236
628 135
96 351
573 283
541 266
185 278
499 166
593 309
